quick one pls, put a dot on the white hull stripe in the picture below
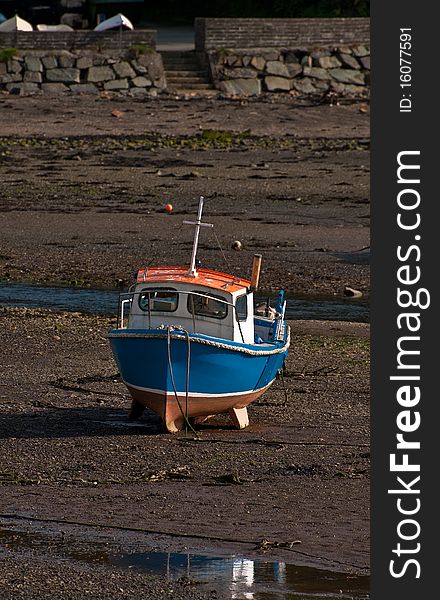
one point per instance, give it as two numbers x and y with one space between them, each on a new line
195 394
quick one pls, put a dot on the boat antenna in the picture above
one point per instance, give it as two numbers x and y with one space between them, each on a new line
192 272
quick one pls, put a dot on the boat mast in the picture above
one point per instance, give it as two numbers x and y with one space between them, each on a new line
192 271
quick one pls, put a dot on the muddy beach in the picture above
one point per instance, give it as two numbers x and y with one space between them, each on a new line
81 204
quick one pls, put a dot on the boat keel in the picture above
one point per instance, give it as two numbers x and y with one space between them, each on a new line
197 409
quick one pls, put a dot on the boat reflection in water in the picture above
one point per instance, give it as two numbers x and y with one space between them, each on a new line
241 578
233 577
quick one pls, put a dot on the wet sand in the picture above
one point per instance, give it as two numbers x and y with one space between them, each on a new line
87 211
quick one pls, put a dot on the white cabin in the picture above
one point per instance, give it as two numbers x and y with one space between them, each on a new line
210 303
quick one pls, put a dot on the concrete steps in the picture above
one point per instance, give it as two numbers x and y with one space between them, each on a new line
173 81
182 73
186 70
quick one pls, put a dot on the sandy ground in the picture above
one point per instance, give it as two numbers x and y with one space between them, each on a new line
81 203
273 115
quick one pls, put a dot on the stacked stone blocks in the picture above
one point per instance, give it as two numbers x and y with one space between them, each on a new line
63 71
343 70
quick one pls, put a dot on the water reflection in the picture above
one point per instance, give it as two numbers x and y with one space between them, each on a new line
236 577
243 578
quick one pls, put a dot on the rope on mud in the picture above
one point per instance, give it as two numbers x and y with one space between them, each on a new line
200 536
275 443
206 342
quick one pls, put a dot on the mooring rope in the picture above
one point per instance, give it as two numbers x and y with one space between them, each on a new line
173 383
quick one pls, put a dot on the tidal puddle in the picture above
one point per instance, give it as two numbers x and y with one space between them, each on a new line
249 578
106 302
234 576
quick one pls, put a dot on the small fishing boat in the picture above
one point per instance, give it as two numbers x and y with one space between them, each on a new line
189 343
119 21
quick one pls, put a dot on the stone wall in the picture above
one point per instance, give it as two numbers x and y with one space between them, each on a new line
279 33
74 40
89 72
344 70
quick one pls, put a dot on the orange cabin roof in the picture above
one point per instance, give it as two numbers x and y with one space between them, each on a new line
205 277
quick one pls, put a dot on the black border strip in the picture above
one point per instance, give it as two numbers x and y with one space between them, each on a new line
393 132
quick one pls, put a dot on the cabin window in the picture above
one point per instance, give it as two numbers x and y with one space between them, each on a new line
241 308
164 300
207 305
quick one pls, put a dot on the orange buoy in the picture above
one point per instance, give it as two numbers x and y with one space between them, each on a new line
168 208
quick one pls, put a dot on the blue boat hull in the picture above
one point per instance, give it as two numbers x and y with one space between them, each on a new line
181 376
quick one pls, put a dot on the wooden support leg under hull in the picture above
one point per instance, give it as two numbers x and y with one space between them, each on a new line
175 426
239 417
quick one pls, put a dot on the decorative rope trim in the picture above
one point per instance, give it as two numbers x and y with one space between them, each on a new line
204 341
